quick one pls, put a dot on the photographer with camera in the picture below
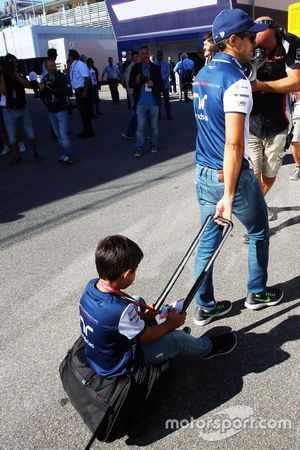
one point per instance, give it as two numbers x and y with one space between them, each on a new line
54 90
146 81
277 56
15 112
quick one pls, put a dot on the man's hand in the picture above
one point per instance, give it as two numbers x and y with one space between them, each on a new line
84 94
150 83
138 79
224 210
175 318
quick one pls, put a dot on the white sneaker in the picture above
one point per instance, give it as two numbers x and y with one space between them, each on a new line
5 150
67 160
22 147
61 159
295 175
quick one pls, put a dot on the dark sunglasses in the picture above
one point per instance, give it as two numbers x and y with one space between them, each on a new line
250 36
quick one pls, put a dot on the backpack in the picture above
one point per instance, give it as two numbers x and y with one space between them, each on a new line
186 78
110 407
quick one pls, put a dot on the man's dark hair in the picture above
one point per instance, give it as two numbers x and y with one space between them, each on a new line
208 37
9 56
116 254
74 54
52 53
144 46
220 46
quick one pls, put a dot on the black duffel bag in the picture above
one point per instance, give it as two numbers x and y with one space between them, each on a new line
110 407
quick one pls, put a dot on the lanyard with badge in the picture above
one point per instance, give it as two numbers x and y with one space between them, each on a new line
146 73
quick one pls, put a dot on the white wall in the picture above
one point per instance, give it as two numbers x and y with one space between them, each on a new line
33 42
97 49
18 41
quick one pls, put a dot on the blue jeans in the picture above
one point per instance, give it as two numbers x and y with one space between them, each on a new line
142 112
59 123
13 118
173 344
250 208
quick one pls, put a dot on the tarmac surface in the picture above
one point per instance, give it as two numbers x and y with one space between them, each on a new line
52 217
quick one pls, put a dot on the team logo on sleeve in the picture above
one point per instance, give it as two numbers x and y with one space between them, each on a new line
85 331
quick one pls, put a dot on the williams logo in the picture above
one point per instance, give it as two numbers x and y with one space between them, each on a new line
201 101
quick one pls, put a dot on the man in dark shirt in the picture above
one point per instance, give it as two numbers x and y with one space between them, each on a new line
54 90
146 81
278 56
15 112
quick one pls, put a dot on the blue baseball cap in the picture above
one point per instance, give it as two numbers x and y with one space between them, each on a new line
234 21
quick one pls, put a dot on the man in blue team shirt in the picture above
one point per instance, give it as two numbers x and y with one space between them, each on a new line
225 183
185 69
113 77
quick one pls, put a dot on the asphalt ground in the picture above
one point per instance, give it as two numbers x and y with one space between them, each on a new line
52 217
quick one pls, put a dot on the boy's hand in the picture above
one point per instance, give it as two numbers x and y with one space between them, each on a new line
176 318
148 315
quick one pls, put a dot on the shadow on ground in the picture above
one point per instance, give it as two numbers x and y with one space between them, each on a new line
193 393
107 156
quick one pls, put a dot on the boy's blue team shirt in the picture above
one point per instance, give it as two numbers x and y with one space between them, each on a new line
110 326
220 87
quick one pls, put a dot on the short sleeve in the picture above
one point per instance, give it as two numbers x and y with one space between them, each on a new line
293 55
84 70
238 97
130 324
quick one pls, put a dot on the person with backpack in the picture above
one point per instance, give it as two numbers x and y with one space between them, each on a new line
185 70
120 333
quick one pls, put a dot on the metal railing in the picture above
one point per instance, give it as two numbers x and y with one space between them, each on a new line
93 15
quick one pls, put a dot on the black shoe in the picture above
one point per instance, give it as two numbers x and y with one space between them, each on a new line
153 149
16 160
222 344
202 317
36 157
271 297
85 135
126 136
169 117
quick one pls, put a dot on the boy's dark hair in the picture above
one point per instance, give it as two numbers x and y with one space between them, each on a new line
116 254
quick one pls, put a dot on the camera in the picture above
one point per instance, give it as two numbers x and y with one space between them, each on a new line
255 64
144 79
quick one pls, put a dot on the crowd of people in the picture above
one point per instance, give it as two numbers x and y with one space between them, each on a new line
149 81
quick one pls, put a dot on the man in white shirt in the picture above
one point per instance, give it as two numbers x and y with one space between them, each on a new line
33 82
113 77
81 84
